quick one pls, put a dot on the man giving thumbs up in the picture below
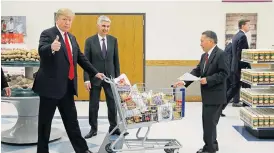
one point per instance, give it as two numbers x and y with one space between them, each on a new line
55 46
56 81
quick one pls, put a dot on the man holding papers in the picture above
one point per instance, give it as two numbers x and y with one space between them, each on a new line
213 71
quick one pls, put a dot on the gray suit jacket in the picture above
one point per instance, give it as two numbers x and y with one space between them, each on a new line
216 73
109 65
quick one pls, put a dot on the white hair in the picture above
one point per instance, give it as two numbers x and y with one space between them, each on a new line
103 18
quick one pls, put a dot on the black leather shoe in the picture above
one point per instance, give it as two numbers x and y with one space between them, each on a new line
118 132
222 115
88 151
204 151
216 146
91 134
237 105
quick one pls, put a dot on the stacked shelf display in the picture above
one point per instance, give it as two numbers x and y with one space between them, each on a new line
25 131
258 118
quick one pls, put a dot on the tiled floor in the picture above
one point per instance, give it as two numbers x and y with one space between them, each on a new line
188 131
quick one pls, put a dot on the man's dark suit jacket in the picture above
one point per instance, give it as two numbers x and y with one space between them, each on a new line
239 42
216 73
4 82
52 77
109 65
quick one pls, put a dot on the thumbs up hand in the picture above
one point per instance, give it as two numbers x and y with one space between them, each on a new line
55 46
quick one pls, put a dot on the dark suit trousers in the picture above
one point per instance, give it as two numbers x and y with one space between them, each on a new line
233 88
237 84
68 113
211 115
94 106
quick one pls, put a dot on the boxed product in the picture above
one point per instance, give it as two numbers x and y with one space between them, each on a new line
258 117
261 55
260 76
258 96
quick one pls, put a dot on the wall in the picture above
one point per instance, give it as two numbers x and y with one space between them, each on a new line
173 29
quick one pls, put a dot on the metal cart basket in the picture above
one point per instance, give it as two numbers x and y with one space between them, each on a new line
140 107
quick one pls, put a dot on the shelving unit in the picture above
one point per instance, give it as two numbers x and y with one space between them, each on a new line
258 118
26 102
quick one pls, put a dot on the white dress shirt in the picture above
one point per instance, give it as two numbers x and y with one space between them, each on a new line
63 36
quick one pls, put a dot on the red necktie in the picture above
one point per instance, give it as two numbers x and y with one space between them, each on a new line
206 61
206 58
71 66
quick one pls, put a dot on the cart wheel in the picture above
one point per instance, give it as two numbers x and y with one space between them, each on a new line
171 150
108 149
176 151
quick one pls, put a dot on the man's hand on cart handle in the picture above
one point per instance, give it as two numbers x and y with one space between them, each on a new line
100 76
179 83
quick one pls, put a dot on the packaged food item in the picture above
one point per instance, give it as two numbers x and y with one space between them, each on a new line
129 117
271 77
266 78
165 112
157 99
267 56
261 56
272 56
258 55
130 104
122 83
177 110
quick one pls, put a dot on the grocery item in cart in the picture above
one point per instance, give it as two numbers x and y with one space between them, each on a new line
122 83
165 112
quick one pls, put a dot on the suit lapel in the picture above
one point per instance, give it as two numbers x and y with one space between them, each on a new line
98 46
211 57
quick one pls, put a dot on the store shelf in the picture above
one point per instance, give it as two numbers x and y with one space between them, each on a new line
257 128
260 133
11 46
21 93
262 56
256 106
257 84
20 64
258 62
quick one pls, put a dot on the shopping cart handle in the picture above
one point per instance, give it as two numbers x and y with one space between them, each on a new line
106 79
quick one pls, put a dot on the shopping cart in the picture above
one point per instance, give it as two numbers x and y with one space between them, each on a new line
139 107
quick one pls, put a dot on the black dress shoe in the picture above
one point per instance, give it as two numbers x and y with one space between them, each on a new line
216 146
237 105
88 151
91 134
222 115
118 132
204 151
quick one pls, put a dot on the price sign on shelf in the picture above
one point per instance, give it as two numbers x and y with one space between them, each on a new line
14 70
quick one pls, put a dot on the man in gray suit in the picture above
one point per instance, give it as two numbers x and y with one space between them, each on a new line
213 70
101 50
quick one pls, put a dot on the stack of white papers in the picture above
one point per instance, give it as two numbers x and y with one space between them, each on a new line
188 77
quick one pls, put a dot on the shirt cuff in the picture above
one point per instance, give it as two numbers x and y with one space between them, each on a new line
87 81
